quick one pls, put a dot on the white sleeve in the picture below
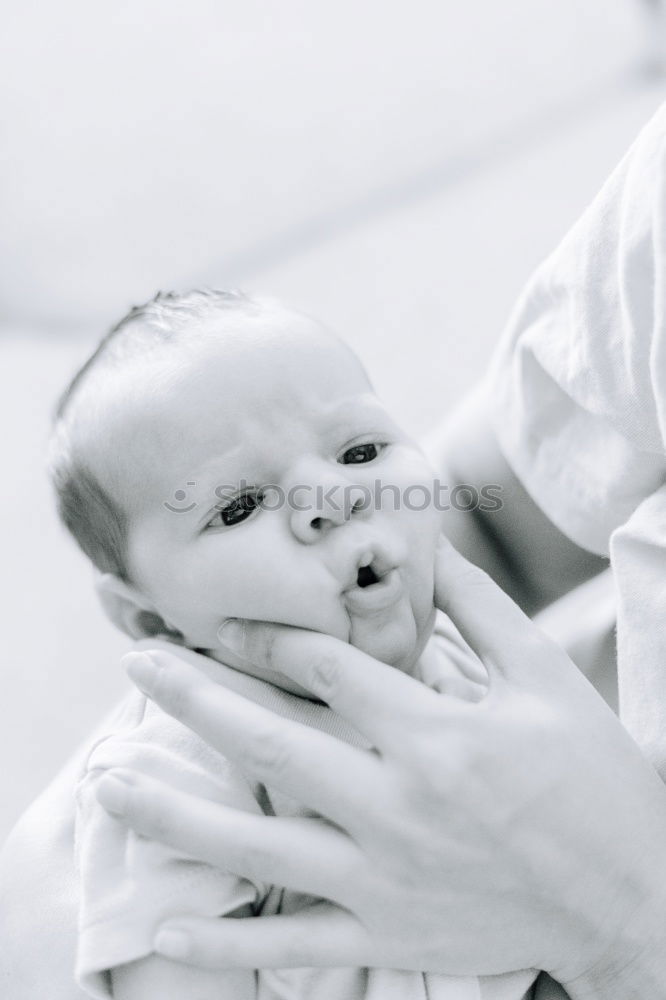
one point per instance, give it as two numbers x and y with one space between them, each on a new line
578 384
578 396
129 884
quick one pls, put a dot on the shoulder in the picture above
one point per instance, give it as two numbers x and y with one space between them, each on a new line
144 738
577 385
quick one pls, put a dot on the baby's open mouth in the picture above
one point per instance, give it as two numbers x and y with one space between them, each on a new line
377 586
366 576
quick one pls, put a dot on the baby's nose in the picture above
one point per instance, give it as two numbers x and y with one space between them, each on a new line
320 507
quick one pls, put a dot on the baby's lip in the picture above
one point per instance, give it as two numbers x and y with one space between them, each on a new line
376 598
373 556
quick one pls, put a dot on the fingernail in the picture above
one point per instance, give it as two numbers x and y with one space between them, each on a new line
231 634
113 792
141 669
172 943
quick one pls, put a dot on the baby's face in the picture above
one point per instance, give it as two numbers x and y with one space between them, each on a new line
244 470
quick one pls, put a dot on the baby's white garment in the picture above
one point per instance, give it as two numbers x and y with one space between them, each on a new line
578 395
130 884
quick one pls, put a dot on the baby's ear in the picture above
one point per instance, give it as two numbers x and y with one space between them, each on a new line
130 612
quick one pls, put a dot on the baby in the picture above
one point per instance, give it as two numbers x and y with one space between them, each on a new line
222 457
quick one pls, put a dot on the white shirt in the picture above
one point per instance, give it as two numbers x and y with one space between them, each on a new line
578 390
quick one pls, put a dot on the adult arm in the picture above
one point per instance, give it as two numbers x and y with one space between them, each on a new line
514 541
576 398
524 830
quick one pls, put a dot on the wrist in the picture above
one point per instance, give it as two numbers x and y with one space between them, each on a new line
644 976
633 965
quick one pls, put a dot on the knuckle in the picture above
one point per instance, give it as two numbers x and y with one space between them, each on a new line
269 754
324 674
264 644
252 859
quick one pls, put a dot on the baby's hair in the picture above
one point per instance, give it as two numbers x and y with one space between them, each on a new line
97 520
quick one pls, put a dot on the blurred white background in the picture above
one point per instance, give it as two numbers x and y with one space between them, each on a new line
395 169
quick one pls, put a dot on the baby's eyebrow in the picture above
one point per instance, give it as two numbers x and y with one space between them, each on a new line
367 402
205 482
351 409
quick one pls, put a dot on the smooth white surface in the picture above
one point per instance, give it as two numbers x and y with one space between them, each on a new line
145 143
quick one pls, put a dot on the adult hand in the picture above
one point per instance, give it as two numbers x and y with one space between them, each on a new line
523 830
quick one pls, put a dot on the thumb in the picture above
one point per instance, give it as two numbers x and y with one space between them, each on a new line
502 636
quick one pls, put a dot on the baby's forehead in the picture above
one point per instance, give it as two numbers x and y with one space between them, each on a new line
281 340
288 340
191 395
281 360
281 352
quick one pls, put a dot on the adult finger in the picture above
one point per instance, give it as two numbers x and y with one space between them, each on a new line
322 935
276 751
493 625
357 687
305 855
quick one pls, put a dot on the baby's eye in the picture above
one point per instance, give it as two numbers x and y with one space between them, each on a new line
361 453
238 509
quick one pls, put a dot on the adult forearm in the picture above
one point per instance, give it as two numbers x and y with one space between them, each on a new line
512 540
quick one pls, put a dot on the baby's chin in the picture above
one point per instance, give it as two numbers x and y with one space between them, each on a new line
398 643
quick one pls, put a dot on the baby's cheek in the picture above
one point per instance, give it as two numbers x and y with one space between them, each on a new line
424 528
